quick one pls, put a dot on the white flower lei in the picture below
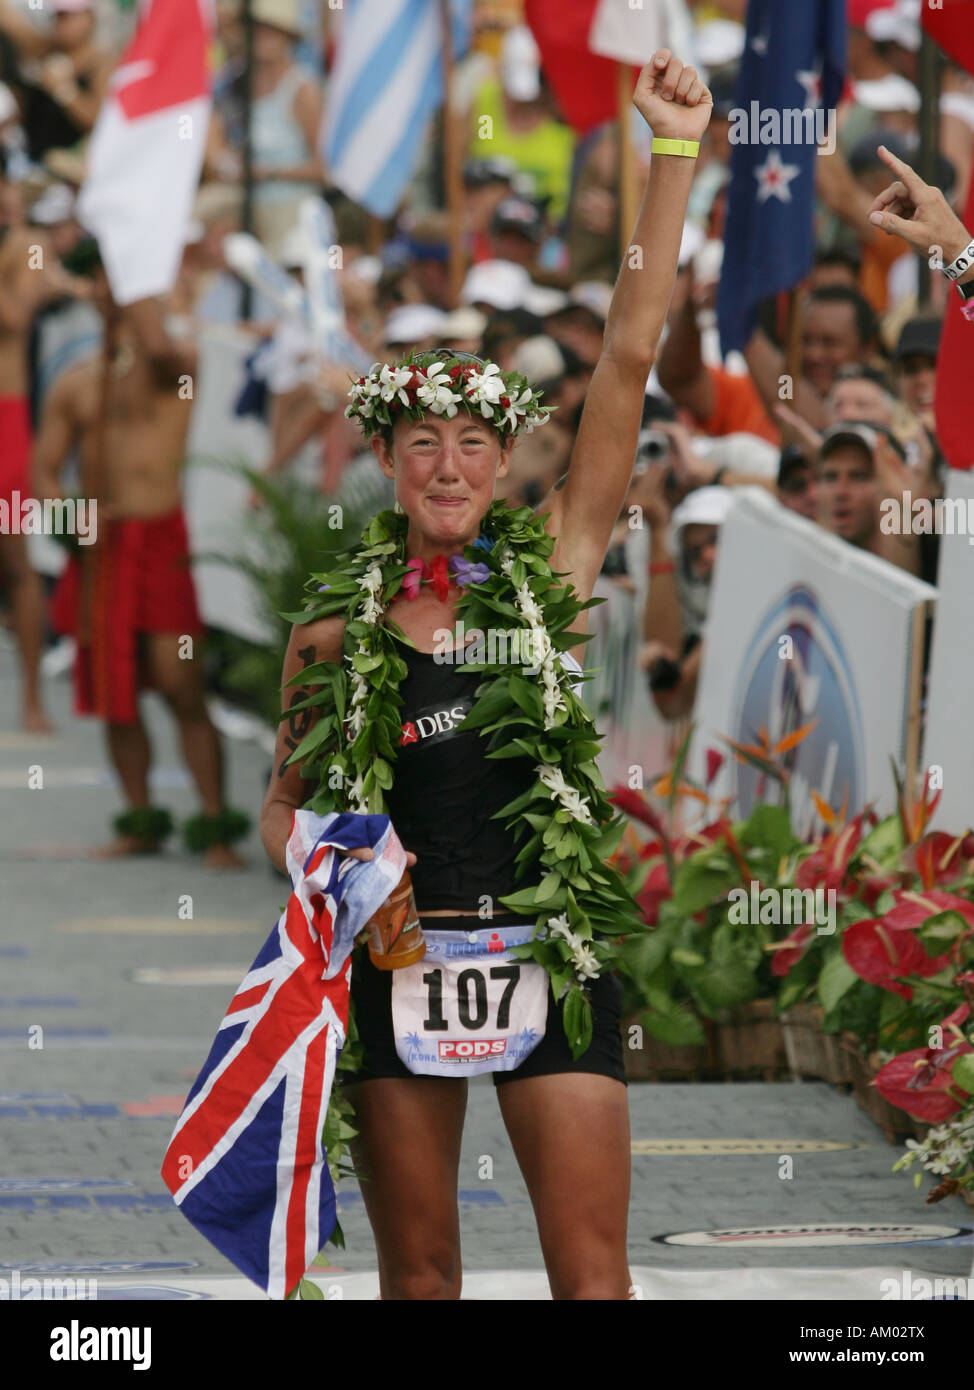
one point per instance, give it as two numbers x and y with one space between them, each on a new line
506 399
552 673
584 961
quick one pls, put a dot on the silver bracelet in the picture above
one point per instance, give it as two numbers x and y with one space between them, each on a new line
963 262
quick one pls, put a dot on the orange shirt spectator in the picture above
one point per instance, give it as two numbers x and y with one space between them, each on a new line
738 408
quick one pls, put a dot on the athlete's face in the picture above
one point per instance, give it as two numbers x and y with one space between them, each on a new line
444 471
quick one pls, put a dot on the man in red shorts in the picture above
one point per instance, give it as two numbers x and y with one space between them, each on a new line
30 276
129 597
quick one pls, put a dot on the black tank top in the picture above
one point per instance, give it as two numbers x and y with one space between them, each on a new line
445 791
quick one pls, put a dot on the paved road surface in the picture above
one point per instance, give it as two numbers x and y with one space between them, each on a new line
86 1117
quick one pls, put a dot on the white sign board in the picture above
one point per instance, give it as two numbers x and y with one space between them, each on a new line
803 626
216 500
949 740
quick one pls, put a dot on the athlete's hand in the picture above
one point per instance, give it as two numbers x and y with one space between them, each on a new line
366 854
672 98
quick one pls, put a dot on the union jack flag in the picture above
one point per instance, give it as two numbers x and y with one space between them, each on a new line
246 1163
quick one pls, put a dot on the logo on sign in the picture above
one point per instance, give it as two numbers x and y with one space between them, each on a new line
473 1050
795 671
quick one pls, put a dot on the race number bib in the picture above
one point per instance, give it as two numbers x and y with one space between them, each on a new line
467 1008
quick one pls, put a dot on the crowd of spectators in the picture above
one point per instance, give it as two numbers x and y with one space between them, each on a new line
541 215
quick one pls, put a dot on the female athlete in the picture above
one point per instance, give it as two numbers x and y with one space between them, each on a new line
568 1121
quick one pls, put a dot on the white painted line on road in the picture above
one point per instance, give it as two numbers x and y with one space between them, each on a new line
160 778
119 1043
57 777
163 926
20 740
189 975
664 1147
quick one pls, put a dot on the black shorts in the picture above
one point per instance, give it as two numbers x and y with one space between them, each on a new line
372 1004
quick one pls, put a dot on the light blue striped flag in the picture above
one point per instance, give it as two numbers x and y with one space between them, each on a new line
386 84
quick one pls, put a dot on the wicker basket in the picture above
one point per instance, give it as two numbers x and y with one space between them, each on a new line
750 1041
809 1051
659 1061
895 1123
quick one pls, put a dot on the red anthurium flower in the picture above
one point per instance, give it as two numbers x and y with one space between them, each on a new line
920 1081
700 839
637 806
960 1015
873 886
882 957
913 909
939 858
827 867
921 1089
650 850
790 951
715 761
655 891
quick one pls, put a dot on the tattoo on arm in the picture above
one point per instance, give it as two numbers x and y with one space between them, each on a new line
298 721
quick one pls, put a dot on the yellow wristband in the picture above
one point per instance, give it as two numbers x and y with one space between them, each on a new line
689 148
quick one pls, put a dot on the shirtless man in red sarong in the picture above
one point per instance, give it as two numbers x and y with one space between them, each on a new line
129 597
30 277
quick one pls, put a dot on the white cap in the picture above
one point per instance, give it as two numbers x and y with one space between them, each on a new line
520 64
707 506
501 284
889 93
900 25
55 205
594 295
542 300
539 359
411 323
367 268
463 323
719 41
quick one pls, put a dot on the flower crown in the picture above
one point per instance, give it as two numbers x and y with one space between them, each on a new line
441 384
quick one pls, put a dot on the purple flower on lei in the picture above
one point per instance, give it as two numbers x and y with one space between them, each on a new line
464 572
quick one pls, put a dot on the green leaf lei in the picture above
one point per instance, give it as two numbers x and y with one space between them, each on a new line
564 824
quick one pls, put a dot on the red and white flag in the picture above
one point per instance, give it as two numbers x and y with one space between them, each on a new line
582 43
147 147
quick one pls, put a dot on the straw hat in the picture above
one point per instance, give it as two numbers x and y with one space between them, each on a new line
279 14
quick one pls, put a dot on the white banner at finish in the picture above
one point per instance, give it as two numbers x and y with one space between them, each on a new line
948 748
804 627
